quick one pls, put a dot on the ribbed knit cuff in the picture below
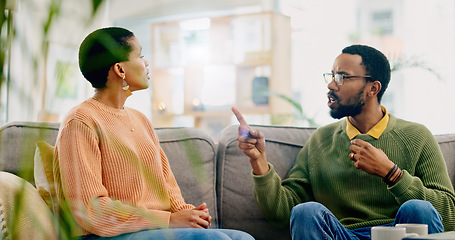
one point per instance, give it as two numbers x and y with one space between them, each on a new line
401 186
264 179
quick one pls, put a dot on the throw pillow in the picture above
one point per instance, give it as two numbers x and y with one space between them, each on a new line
27 215
44 178
3 226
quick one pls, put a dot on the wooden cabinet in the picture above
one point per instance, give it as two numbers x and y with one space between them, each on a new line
202 67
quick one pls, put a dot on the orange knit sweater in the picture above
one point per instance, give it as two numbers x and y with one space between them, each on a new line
110 168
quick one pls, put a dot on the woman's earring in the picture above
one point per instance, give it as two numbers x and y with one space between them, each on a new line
125 85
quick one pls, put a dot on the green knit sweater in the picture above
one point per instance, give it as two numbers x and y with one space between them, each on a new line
323 172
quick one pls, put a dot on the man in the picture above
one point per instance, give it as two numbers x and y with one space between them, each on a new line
367 169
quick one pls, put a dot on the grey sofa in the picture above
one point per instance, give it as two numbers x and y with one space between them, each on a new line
215 173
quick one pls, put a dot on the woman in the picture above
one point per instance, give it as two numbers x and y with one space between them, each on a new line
108 164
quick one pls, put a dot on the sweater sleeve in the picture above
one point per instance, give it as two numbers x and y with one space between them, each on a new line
430 181
79 159
276 198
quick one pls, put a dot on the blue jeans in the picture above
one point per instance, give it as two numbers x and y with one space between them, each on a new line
178 234
312 220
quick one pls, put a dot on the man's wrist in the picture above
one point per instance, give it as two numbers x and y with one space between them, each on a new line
393 176
260 166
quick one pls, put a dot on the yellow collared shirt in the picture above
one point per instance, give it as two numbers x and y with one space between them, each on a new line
375 131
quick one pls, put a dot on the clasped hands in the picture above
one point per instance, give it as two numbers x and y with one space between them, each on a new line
365 156
198 217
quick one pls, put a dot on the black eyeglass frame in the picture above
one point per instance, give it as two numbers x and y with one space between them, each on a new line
329 77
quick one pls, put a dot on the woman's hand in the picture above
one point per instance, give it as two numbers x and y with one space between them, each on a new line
197 217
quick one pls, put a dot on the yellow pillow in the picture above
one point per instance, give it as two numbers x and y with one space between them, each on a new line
3 227
44 178
25 211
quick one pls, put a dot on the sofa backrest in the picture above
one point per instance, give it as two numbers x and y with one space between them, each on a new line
192 156
235 184
191 153
447 145
17 145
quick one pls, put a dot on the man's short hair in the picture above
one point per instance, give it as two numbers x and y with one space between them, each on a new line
100 50
376 65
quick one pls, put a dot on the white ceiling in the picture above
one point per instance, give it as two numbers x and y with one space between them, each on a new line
140 9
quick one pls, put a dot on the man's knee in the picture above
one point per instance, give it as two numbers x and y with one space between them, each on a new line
307 210
313 220
419 209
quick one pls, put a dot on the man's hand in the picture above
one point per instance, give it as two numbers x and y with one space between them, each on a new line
370 159
197 217
252 144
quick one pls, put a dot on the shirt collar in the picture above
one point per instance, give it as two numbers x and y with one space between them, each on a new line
375 131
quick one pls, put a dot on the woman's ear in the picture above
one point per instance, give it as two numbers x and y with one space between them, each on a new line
118 70
374 88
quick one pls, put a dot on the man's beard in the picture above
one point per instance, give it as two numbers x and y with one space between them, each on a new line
352 110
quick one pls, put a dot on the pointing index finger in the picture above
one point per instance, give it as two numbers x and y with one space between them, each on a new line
244 128
239 117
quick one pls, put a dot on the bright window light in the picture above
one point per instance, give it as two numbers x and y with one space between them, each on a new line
219 86
195 24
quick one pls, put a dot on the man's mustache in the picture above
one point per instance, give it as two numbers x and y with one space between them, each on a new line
333 95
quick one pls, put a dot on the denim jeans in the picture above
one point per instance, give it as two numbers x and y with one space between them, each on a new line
178 234
312 220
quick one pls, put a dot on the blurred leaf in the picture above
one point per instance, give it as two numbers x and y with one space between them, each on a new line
64 220
54 10
401 63
96 4
296 105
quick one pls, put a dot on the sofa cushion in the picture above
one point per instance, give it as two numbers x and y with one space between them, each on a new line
237 206
192 156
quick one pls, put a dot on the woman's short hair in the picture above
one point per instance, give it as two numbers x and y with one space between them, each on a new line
376 65
100 50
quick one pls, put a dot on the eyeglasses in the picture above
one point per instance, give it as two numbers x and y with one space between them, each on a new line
339 78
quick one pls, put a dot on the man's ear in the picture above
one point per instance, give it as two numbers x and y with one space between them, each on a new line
374 89
118 70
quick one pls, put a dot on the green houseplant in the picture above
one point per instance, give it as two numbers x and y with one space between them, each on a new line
17 211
